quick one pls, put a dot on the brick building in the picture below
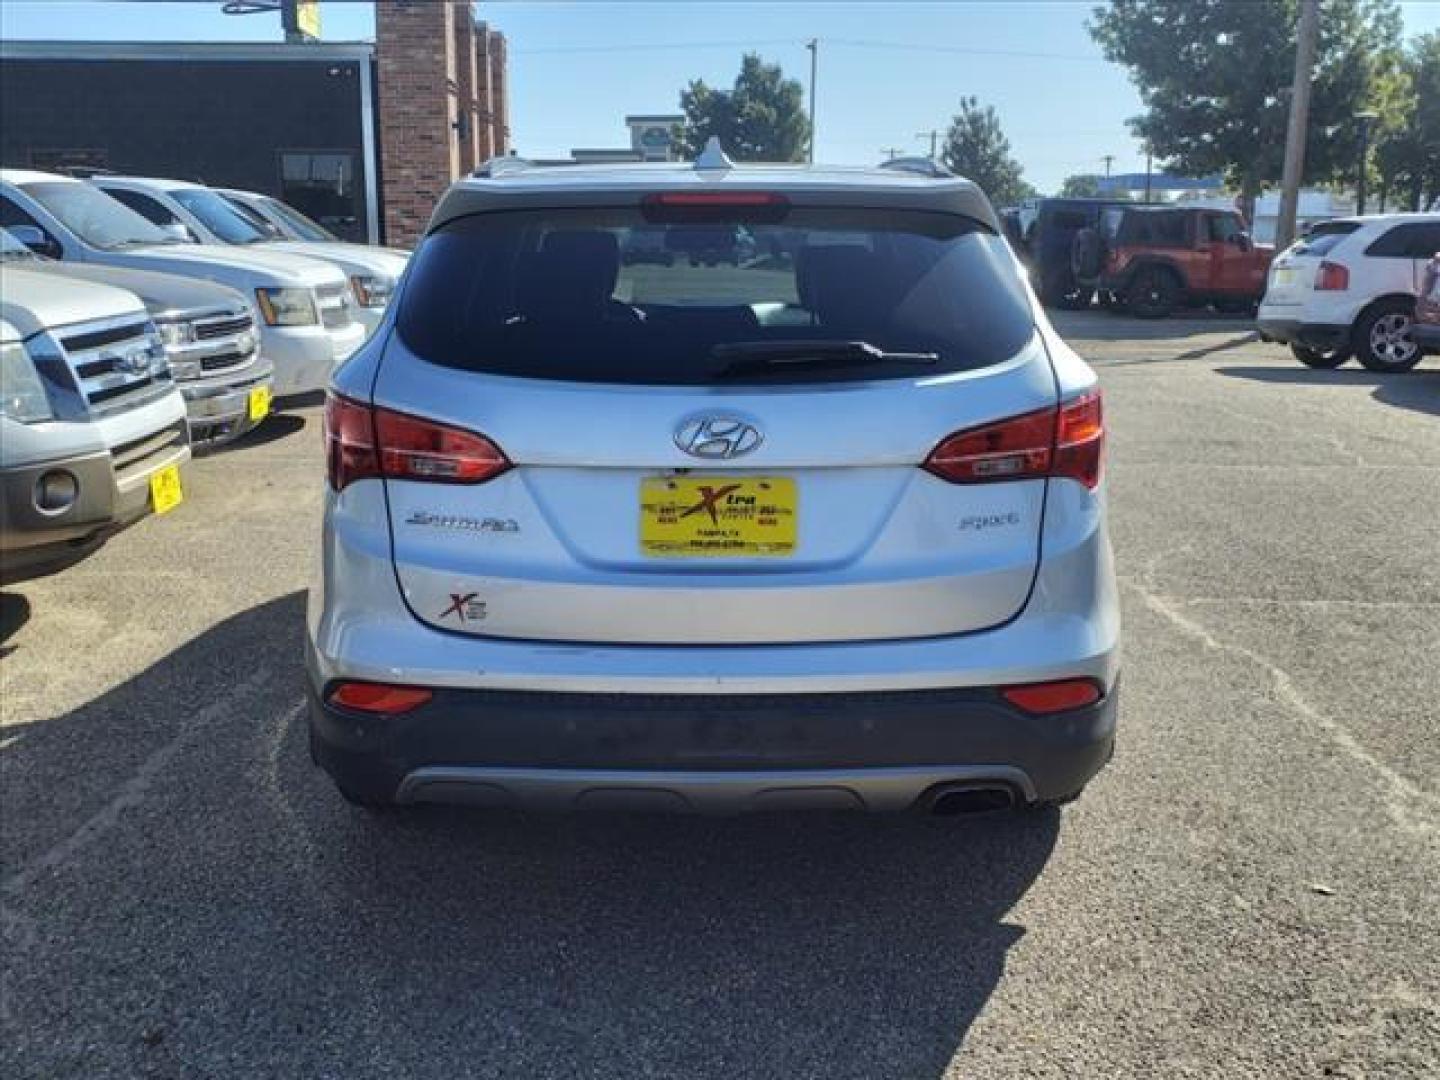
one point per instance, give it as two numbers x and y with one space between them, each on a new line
363 137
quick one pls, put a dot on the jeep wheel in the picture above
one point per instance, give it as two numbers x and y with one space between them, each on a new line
1382 337
1153 294
1319 358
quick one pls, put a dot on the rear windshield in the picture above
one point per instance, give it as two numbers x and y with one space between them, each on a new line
1323 237
603 295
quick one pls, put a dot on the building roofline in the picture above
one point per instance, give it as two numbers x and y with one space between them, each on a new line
185 50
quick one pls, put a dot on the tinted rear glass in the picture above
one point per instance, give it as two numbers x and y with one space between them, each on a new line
602 295
1323 237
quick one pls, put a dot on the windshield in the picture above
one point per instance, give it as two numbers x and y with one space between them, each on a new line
12 249
219 216
95 217
605 296
303 227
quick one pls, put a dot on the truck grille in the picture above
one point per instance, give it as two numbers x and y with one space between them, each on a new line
334 311
117 364
217 328
221 361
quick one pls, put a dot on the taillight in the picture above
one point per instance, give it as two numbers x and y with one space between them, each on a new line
1332 277
1067 441
760 207
365 441
382 698
1052 697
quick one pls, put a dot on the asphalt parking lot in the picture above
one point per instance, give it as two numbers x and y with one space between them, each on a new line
1248 891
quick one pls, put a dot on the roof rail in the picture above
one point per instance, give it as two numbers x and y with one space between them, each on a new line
921 166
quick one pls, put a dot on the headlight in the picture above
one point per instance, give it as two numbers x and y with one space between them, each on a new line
176 333
372 290
22 394
287 307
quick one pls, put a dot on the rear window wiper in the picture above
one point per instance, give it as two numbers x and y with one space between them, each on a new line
743 356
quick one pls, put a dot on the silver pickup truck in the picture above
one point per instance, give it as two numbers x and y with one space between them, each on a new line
307 322
92 427
209 334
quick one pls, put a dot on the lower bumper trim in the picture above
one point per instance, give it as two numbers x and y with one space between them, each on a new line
880 789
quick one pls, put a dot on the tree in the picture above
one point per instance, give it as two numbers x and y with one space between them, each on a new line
1215 78
977 149
762 118
1081 186
1407 146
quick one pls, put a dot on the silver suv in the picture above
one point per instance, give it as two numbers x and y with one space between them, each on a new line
819 526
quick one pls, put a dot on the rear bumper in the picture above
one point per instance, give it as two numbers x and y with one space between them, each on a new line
708 753
1324 336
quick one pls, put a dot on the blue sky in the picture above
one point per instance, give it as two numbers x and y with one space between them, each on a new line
887 71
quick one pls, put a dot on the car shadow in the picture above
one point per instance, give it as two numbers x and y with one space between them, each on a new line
1418 389
275 427
14 613
238 894
1100 325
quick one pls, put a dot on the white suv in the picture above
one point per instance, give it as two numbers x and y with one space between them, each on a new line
1348 289
822 524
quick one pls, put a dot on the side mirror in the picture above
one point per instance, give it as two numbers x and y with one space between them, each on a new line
180 231
1243 241
36 239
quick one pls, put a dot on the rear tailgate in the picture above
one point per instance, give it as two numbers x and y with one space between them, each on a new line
555 549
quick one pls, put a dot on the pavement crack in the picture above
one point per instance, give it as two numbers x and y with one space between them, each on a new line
1410 806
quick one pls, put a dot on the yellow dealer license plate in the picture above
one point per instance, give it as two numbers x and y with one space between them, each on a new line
259 403
717 516
165 492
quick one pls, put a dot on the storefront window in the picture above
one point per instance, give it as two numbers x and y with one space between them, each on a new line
321 184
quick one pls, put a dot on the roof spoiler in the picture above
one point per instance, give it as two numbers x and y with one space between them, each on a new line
920 166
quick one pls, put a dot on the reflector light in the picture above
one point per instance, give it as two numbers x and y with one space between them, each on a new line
363 441
378 697
1067 441
1053 697
1332 277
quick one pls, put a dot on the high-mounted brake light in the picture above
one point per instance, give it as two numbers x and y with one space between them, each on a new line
381 698
761 207
364 441
717 198
1067 441
1332 277
1053 697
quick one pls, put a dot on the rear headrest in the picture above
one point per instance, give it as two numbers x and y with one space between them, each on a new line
573 274
839 283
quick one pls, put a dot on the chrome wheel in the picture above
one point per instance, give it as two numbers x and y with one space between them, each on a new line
1390 341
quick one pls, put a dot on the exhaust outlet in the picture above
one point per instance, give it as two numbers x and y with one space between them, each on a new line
953 800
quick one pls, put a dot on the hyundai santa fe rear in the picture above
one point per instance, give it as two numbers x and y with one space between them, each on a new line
822 525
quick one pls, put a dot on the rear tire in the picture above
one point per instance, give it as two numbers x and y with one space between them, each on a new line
1382 338
1319 358
1153 294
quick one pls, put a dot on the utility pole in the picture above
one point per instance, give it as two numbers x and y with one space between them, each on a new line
814 46
1108 159
1306 34
1362 178
934 136
1149 168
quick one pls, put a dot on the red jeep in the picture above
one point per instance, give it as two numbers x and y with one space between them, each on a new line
1151 259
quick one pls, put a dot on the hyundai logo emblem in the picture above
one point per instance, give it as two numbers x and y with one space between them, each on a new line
717 437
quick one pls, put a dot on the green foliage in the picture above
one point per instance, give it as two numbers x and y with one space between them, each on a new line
762 118
977 149
1081 186
1215 77
1407 146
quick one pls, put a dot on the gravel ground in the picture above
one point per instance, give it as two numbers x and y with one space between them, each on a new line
1248 891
